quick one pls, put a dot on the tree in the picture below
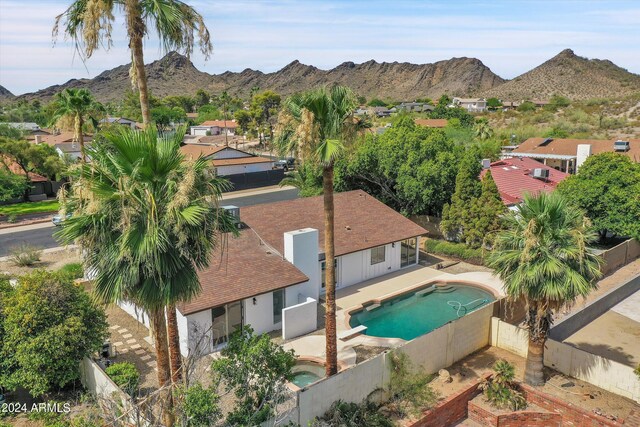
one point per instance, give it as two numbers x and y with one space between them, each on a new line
243 119
165 117
410 168
543 259
147 220
482 129
526 106
178 25
11 185
607 188
318 125
494 103
202 98
80 105
208 112
376 102
185 103
485 214
50 324
256 370
307 179
264 108
456 215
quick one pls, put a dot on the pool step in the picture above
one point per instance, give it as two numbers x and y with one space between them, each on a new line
445 289
372 307
426 291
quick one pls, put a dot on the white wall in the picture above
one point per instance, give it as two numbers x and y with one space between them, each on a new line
229 153
199 130
356 267
301 250
300 319
199 331
260 315
134 311
238 169
183 330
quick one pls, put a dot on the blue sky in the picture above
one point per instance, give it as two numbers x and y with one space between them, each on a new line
510 37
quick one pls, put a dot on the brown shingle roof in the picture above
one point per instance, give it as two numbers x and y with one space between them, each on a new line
246 269
195 150
240 161
58 139
220 123
361 221
569 147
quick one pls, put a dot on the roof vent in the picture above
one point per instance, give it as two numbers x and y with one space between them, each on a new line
621 146
486 163
541 173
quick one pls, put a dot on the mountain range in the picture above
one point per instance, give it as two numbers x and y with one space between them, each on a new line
565 74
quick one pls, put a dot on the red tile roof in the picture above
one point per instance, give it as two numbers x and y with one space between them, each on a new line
16 169
432 123
513 178
361 221
247 268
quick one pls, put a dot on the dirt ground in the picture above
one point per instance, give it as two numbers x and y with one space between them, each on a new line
568 389
50 260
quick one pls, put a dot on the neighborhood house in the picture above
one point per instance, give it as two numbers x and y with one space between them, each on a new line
472 105
226 160
277 264
214 127
568 154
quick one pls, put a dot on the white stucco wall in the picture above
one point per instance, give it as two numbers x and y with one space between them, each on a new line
183 330
260 315
238 169
300 319
136 312
356 267
301 250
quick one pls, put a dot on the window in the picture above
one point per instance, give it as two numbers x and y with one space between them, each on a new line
378 255
278 305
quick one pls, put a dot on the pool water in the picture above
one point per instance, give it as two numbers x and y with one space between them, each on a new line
305 373
410 315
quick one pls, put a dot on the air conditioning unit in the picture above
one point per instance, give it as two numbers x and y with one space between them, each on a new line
234 211
541 173
621 146
107 350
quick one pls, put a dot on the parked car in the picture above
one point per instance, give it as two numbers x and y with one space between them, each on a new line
286 164
57 220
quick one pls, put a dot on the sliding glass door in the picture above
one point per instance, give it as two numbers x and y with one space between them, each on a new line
408 252
225 320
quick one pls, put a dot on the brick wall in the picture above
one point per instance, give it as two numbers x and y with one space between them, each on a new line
513 419
571 414
451 410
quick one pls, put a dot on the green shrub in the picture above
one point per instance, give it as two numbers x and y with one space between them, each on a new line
126 376
409 390
500 390
346 414
25 255
12 218
454 250
200 406
72 270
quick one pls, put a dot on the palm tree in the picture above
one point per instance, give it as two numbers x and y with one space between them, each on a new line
89 24
543 259
224 99
482 130
317 125
147 220
80 106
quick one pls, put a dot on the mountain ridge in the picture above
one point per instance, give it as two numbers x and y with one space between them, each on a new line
565 74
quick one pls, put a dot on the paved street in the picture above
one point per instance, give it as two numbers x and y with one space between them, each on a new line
41 235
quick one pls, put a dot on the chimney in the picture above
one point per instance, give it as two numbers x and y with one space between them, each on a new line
38 139
583 151
301 250
486 163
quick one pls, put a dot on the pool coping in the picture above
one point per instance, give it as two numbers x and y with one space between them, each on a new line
444 280
341 367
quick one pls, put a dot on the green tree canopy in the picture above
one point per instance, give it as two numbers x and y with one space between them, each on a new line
42 159
244 120
494 103
526 106
164 117
408 167
485 214
202 98
264 109
208 112
376 102
11 185
50 324
607 188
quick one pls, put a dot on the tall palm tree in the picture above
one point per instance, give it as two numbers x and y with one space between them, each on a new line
317 125
80 106
224 99
147 220
543 259
89 24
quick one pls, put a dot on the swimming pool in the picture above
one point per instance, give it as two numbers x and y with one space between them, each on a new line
418 312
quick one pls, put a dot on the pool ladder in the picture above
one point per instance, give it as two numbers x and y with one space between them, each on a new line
460 306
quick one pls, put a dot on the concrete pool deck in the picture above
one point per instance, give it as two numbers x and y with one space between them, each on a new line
354 296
